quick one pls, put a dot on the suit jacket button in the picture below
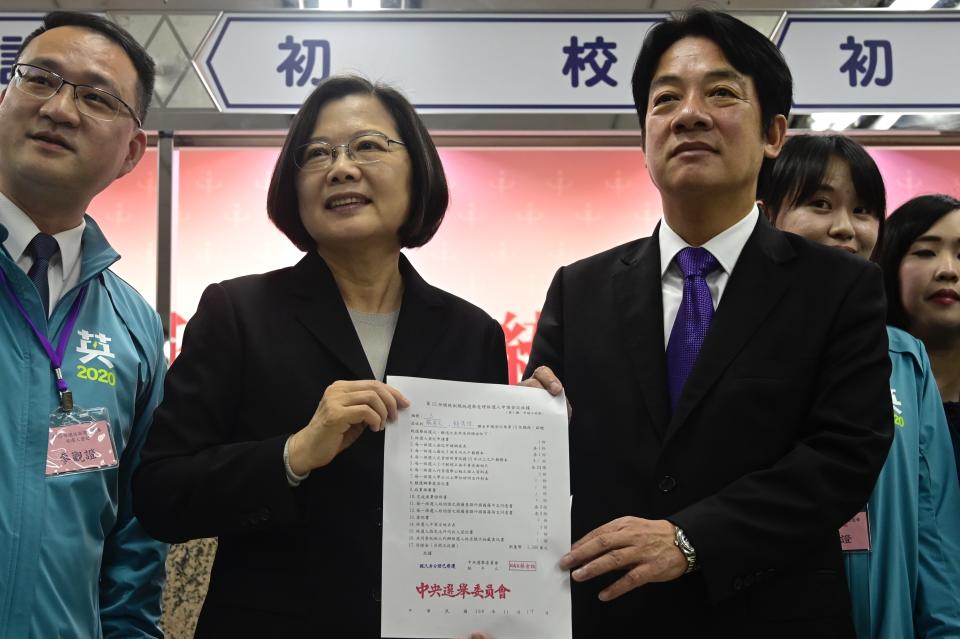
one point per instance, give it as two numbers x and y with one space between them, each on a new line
667 484
376 595
737 584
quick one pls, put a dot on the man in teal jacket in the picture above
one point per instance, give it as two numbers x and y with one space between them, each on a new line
908 583
81 357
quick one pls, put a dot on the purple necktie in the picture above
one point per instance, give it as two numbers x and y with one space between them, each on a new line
42 247
693 318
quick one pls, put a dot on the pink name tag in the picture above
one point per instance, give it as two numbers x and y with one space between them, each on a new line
80 447
855 534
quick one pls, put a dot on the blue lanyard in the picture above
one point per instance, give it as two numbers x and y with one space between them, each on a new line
56 356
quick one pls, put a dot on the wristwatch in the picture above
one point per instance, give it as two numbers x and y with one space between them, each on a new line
680 541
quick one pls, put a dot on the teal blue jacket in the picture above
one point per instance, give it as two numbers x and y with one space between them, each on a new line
74 561
908 585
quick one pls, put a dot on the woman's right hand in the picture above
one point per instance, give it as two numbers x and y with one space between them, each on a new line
345 410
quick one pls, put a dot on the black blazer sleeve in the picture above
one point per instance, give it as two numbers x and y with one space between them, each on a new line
190 483
767 518
495 369
547 349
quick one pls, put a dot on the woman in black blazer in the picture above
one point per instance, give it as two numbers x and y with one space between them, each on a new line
268 434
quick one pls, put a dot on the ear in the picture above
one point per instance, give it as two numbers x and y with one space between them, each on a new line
135 150
775 137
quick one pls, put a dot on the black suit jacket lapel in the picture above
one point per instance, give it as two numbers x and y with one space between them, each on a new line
637 290
423 321
324 314
756 285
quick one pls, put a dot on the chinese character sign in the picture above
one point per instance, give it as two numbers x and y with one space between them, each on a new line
865 65
462 591
578 58
13 30
9 45
864 62
302 65
470 63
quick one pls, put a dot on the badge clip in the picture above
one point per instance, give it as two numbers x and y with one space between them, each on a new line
66 397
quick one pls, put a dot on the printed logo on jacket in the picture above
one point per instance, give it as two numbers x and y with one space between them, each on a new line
97 361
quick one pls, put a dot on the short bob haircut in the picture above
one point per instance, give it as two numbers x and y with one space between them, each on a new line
799 171
428 193
142 62
749 51
904 226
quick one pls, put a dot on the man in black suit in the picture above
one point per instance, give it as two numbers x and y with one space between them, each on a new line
730 410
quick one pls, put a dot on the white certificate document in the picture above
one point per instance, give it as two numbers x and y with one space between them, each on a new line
476 513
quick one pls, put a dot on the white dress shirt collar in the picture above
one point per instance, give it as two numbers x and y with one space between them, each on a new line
726 246
64 266
21 230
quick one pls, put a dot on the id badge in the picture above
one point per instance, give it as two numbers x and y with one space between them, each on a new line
79 441
855 534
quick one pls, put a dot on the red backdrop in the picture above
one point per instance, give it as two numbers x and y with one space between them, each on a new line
515 216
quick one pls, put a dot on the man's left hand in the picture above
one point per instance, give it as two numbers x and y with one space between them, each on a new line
642 547
544 378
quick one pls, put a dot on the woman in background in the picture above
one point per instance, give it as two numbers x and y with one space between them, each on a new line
269 433
907 583
921 262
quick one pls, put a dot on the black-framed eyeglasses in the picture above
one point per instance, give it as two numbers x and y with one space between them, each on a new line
365 148
91 101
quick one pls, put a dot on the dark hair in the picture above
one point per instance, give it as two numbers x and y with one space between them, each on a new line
799 171
428 192
749 51
142 62
904 226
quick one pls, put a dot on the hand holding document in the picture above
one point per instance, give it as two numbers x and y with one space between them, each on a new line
476 513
